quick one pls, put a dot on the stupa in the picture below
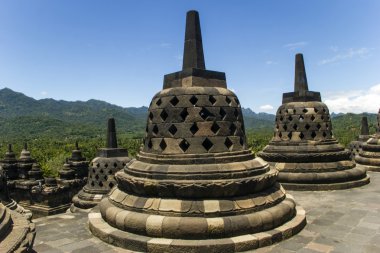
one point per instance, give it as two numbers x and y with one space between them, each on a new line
369 155
25 162
303 148
195 186
356 146
9 163
16 230
101 172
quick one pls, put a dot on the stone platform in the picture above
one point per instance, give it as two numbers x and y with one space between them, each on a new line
338 221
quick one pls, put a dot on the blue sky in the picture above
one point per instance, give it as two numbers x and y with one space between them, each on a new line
118 51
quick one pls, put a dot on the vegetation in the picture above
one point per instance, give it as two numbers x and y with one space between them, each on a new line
51 127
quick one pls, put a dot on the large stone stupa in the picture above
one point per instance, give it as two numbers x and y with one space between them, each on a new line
195 186
102 171
369 155
303 148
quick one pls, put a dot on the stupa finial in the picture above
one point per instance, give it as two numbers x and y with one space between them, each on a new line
10 148
193 51
300 80
76 145
364 129
111 134
25 146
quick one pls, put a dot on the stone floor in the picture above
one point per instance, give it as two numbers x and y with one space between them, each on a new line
338 221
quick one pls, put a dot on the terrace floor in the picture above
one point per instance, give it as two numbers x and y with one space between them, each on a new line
338 221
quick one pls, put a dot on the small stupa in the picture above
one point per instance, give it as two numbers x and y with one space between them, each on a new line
303 148
195 186
369 155
102 171
356 145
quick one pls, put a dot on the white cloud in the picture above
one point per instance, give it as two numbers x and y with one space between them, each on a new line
44 93
266 107
271 62
348 54
355 101
295 45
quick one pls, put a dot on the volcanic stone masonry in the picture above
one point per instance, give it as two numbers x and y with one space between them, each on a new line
369 155
17 233
303 148
356 146
195 186
101 172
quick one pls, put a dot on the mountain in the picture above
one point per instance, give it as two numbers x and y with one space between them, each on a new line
23 117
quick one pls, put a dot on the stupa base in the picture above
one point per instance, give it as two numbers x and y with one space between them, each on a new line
84 200
41 210
19 233
101 229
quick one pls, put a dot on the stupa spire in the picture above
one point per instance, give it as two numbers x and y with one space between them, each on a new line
111 134
193 50
300 80
364 129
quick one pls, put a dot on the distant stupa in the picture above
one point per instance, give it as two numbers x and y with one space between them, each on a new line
303 148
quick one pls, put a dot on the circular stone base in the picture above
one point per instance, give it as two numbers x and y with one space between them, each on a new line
326 187
371 168
130 241
85 200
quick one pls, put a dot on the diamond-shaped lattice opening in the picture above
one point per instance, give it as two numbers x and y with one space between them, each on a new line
304 110
159 102
146 128
97 177
312 117
164 115
290 118
184 145
204 113
290 135
319 126
313 134
232 129
322 117
237 101
151 116
163 144
228 100
106 165
98 165
114 165
207 144
281 118
280 135
324 134
294 111
172 130
101 184
285 127
302 136
236 113
93 170
193 100
211 99
110 171
92 183
301 118
150 144
155 129
105 177
184 114
111 185
101 171
222 113
215 128
174 101
194 128
277 126
307 126
295 127
327 126
228 143
316 109
324 110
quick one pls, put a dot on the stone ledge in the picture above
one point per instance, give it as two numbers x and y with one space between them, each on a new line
131 241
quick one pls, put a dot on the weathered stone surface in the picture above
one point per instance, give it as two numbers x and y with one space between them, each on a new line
101 173
369 154
16 231
195 186
356 145
303 148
